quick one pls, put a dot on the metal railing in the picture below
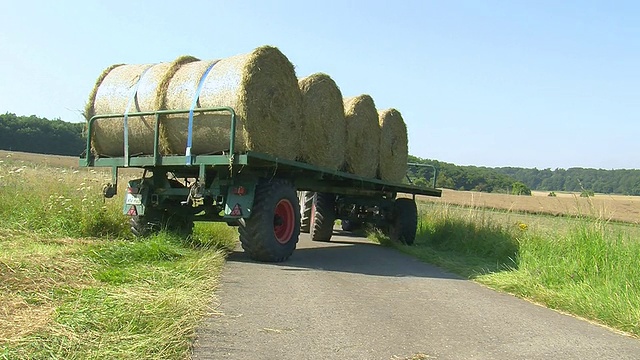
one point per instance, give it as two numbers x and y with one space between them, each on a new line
156 139
435 172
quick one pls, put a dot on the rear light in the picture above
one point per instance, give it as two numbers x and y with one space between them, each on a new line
240 190
133 190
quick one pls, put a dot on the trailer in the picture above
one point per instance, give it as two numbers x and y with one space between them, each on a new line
271 200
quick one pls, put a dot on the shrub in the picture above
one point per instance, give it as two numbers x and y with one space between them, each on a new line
519 188
587 193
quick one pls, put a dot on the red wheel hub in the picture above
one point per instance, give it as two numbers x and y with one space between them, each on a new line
283 221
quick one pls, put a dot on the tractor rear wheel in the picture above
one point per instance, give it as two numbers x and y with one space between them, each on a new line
271 233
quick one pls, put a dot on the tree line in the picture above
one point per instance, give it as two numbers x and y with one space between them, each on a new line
469 178
41 135
617 181
521 181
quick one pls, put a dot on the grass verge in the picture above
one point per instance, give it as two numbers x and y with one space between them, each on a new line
585 267
73 285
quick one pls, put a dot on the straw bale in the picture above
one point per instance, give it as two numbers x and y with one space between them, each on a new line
363 136
394 150
323 123
89 110
112 95
260 86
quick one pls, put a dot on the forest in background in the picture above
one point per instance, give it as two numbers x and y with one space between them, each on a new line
41 135
58 137
512 179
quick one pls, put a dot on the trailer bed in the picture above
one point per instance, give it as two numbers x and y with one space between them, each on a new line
305 176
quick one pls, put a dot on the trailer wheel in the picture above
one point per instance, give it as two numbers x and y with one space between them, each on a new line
350 225
147 224
271 232
155 220
404 221
306 201
323 216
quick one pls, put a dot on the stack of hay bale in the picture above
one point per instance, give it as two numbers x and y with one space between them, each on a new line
260 86
297 119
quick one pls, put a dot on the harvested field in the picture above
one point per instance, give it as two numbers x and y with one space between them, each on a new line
42 159
607 207
601 206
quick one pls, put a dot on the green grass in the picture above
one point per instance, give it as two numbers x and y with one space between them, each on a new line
586 267
75 285
57 202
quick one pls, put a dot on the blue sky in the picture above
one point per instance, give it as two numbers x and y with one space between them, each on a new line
542 84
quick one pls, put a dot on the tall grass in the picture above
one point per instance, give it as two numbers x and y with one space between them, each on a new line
75 285
586 267
57 201
590 271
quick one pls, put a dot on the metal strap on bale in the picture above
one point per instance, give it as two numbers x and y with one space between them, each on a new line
196 98
134 92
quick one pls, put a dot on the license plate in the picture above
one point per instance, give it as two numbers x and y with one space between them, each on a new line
134 199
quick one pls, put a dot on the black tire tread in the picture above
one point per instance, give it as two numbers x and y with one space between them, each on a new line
153 221
404 221
306 201
325 217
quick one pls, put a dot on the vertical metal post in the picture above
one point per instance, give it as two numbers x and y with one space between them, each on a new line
114 177
156 140
232 135
88 149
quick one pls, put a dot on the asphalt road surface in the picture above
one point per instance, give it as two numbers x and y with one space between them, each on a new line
350 299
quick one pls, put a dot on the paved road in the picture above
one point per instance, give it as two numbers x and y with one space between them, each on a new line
350 299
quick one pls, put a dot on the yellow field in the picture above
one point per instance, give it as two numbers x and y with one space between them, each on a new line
601 206
42 159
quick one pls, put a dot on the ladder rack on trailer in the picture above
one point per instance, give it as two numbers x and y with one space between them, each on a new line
252 190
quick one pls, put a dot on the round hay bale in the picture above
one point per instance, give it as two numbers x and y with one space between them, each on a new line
323 123
363 136
89 110
394 147
112 96
260 86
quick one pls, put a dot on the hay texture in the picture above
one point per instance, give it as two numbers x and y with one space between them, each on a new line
260 86
112 96
323 122
394 150
363 136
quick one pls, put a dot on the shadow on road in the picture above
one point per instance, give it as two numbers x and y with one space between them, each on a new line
353 255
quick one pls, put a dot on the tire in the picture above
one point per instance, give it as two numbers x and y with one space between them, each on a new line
323 216
306 201
154 220
147 224
349 225
404 221
272 231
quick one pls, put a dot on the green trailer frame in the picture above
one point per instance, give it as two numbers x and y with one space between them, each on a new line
228 186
